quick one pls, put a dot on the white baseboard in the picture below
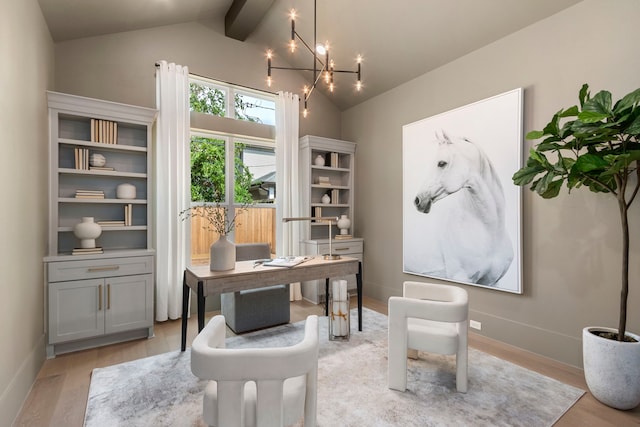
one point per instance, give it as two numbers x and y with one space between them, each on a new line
14 396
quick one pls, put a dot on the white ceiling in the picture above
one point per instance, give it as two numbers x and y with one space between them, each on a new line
399 39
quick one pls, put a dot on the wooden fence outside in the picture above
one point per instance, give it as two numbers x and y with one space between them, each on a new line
255 225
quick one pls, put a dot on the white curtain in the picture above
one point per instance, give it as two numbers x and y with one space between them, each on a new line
287 187
172 185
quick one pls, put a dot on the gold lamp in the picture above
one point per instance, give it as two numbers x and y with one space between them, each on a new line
329 219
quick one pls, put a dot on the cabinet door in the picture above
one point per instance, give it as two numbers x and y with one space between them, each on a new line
76 310
129 303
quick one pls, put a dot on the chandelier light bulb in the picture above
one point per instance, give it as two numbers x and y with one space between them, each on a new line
269 81
292 14
321 49
305 113
292 46
358 85
359 59
331 87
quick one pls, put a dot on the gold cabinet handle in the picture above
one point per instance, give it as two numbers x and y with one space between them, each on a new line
108 296
99 297
341 249
105 268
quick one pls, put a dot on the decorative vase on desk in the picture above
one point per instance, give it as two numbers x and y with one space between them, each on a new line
222 254
87 231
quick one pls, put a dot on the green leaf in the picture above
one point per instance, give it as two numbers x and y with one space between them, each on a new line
634 127
591 116
552 190
525 175
584 94
569 112
600 103
629 101
590 162
535 134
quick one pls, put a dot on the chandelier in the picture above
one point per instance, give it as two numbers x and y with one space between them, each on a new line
323 66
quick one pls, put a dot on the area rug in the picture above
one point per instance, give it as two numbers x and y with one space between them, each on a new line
352 388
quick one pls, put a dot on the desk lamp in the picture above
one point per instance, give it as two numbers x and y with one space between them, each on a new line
329 219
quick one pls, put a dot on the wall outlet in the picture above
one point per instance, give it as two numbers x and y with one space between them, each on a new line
475 324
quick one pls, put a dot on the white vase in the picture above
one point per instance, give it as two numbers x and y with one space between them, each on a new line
87 231
97 159
612 368
326 199
343 224
319 161
222 255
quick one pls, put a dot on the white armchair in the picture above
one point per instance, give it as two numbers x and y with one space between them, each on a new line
265 387
428 317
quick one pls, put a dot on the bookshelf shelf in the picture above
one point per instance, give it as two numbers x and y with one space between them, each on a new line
336 179
121 273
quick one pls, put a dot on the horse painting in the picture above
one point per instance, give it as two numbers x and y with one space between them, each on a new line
471 237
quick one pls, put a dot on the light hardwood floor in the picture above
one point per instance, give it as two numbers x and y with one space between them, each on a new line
59 395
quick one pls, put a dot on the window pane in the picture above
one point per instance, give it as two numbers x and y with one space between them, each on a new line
255 174
207 99
207 169
254 109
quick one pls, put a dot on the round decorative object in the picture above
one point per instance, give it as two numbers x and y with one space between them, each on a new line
222 255
326 199
126 191
97 160
343 224
611 368
87 231
319 161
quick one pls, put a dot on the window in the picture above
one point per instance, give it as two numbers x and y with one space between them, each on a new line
234 171
210 97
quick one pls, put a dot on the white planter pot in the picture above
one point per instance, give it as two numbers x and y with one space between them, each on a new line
612 368
222 255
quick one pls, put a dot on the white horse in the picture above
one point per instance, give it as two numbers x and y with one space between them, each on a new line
473 240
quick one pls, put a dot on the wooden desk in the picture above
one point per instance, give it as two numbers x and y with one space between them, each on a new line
245 276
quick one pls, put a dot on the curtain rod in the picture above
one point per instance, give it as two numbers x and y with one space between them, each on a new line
229 83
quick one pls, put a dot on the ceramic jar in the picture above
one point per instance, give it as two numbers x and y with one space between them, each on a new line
343 224
222 255
319 160
87 231
126 191
326 199
97 160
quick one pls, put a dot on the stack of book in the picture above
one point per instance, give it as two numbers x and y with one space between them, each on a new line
100 168
324 181
333 160
335 196
87 251
317 212
128 214
82 158
89 194
109 223
104 131
343 236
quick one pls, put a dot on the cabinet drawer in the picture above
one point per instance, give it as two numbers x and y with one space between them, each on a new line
341 248
89 269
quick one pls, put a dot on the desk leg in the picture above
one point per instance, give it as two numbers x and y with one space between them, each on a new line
326 297
185 308
359 284
200 306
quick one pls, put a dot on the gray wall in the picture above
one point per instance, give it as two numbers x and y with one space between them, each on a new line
120 67
571 244
26 72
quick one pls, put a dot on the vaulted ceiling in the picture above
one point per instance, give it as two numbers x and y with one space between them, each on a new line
399 40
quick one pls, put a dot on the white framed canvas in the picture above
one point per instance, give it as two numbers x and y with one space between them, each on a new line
461 211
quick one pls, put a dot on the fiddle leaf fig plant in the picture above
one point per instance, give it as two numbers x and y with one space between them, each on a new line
596 145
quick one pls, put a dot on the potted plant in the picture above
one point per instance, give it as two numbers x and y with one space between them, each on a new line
597 145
